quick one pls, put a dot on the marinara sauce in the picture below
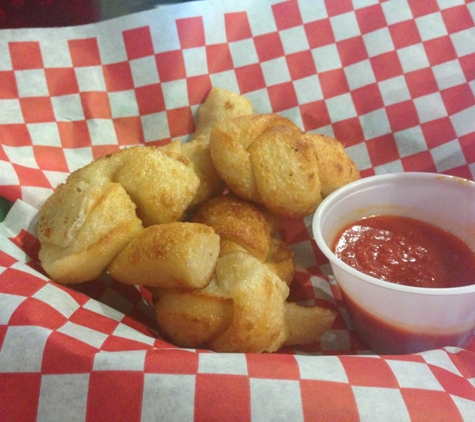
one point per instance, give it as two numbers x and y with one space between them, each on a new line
386 338
406 251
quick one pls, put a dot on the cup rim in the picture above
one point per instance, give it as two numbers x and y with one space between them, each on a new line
354 187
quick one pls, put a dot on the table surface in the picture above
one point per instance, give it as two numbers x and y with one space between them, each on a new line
115 8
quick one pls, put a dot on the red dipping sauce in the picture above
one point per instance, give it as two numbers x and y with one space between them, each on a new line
386 338
406 251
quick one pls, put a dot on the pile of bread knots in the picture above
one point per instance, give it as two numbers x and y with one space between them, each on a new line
197 223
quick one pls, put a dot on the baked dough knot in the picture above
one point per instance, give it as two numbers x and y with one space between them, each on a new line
244 306
267 159
101 207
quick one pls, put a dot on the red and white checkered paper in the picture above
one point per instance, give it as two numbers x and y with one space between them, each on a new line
393 80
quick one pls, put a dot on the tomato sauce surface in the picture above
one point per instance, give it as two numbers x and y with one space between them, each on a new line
406 251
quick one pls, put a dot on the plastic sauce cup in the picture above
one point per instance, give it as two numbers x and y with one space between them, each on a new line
392 318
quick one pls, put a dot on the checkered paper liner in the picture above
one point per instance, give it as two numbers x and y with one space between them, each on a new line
393 80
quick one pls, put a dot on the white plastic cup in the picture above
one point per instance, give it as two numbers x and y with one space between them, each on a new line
392 318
